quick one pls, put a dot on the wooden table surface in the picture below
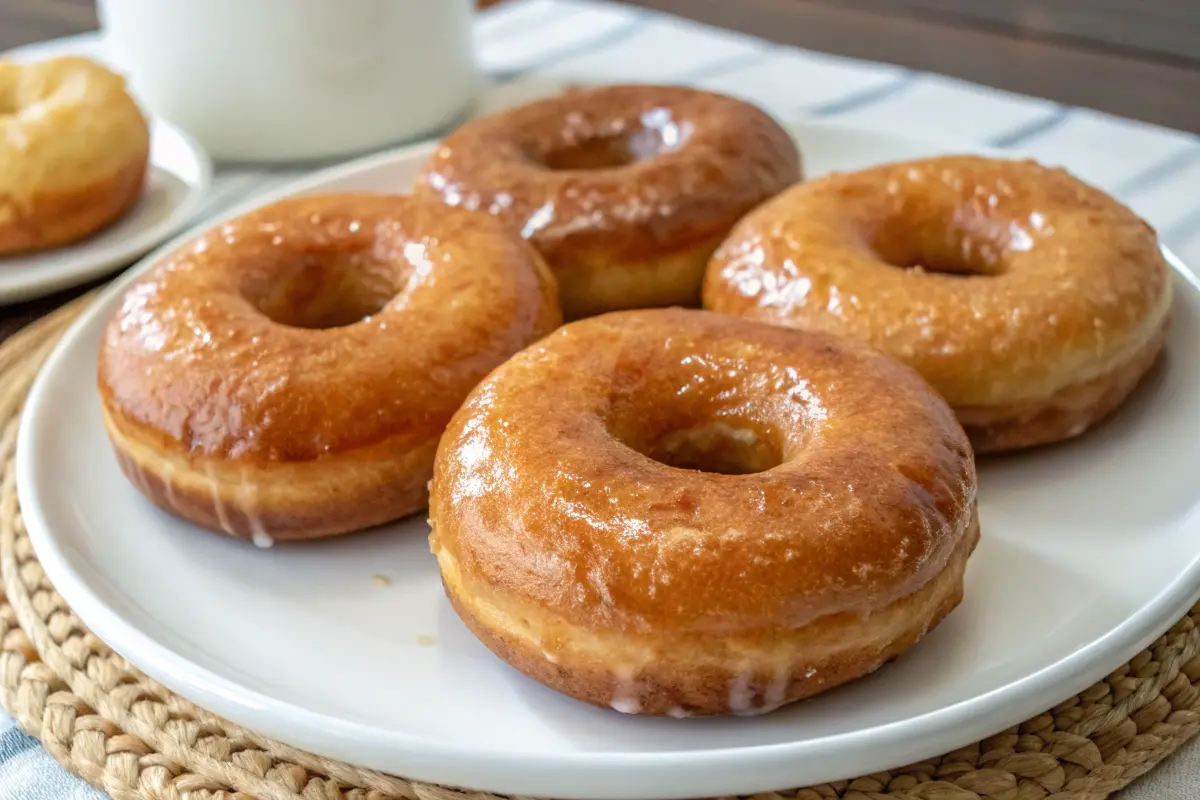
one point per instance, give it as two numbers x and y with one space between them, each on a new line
1137 58
1133 58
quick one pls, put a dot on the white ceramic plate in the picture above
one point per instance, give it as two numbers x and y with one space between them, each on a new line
178 178
1089 552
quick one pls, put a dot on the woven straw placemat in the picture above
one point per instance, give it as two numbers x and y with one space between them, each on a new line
134 738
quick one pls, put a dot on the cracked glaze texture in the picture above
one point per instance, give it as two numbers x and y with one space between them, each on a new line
618 176
542 499
1030 281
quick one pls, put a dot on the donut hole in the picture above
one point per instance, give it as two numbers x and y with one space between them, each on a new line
959 243
654 133
325 290
726 448
603 153
941 257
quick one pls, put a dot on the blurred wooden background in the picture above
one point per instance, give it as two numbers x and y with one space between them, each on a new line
1137 58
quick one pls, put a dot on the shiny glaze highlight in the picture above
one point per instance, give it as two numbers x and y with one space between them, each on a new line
618 179
1004 283
195 372
557 523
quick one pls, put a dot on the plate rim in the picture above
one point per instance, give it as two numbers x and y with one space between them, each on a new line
663 775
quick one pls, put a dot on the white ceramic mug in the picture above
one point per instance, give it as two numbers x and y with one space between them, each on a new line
286 80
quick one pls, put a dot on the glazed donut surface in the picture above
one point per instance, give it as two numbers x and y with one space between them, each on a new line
1031 301
673 512
74 149
626 190
287 374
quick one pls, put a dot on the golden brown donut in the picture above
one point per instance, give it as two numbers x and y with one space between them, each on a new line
1032 301
287 374
626 190
673 512
74 149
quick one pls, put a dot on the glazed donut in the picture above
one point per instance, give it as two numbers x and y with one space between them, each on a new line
626 190
287 374
674 512
74 149
1033 302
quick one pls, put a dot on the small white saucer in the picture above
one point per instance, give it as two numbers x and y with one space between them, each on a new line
177 181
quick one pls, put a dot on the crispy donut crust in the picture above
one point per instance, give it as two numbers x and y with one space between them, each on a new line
625 582
240 423
74 152
1043 302
636 234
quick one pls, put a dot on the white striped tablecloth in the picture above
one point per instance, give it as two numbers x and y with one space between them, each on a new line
525 44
